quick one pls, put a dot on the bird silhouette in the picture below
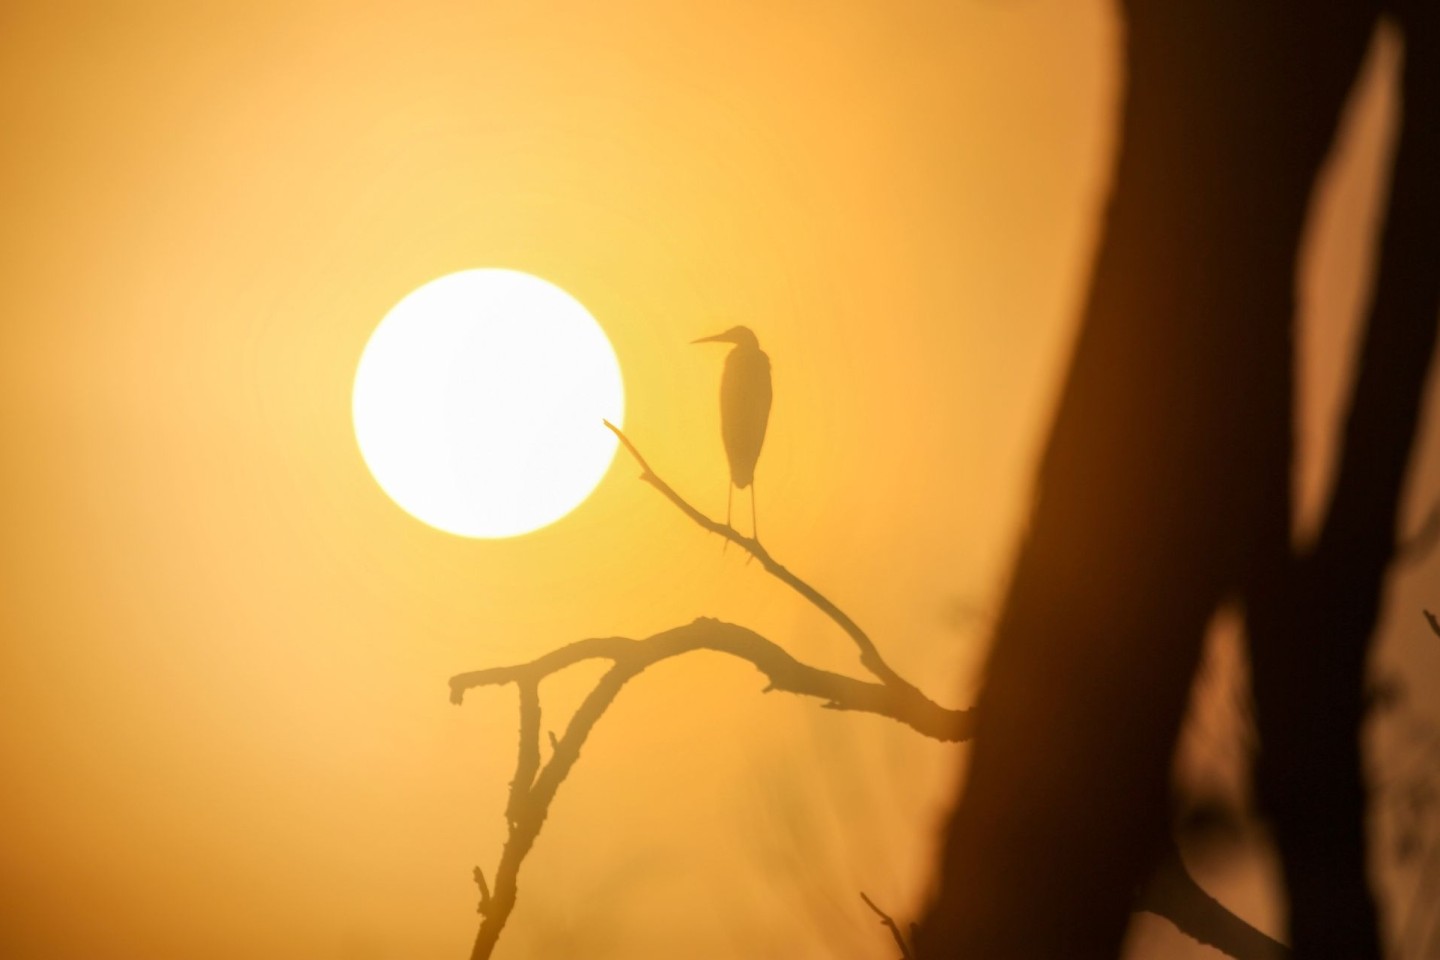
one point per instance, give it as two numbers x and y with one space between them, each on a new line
744 411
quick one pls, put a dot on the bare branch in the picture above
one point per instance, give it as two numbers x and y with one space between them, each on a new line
529 760
782 671
887 921
535 785
529 803
869 656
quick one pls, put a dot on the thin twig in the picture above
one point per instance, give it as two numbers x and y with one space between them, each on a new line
479 877
888 921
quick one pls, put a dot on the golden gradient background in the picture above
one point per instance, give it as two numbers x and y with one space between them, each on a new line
223 719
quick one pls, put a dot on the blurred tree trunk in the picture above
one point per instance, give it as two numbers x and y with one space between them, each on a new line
1311 615
1165 489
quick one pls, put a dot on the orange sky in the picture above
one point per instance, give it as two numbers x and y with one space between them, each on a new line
225 730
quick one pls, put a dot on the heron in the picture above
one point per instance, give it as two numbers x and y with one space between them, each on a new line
744 411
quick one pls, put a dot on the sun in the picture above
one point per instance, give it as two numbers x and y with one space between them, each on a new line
480 399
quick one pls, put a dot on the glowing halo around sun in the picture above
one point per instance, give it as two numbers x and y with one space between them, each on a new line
479 403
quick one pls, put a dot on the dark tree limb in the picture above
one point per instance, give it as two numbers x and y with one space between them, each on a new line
1312 621
1173 894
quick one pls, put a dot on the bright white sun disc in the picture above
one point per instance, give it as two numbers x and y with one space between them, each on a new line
480 399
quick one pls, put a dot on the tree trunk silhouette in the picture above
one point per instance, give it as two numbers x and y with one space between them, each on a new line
1165 489
1312 616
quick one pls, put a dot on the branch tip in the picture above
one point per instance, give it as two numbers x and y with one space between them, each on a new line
479 877
889 923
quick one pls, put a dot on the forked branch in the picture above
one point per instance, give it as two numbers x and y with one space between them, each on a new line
782 671
535 786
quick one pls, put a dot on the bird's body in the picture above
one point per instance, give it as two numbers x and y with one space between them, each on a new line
744 411
745 396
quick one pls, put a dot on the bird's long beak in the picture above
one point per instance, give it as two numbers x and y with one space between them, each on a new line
717 338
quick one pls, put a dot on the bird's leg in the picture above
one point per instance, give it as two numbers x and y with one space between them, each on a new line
754 531
754 527
729 501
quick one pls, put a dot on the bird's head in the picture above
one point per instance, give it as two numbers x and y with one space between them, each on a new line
740 336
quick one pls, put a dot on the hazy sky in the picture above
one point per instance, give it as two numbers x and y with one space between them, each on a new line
223 719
